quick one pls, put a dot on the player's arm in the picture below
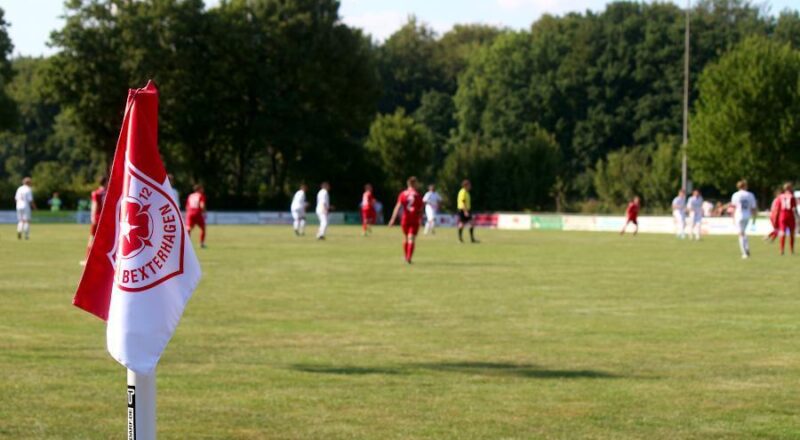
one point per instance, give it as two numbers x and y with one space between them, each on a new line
94 209
394 214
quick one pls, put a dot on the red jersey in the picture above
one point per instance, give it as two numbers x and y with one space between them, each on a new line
367 201
98 196
787 206
633 210
195 203
412 205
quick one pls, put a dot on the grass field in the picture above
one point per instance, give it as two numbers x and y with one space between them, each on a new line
527 335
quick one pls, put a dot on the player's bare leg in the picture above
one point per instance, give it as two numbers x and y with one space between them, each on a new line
409 247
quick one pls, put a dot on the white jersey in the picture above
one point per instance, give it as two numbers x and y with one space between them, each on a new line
323 201
432 199
695 205
679 205
24 197
745 203
299 201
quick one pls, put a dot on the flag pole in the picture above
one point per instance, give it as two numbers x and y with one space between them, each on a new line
141 406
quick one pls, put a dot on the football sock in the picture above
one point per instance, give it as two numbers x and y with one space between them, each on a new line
783 243
19 227
472 233
410 250
302 229
202 235
461 234
27 229
742 245
405 249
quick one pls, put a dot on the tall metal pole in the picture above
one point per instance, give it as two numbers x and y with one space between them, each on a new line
684 168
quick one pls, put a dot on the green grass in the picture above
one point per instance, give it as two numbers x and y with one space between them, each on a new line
527 335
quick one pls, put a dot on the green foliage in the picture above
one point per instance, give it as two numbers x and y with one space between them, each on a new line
257 95
403 148
618 178
651 173
747 122
505 175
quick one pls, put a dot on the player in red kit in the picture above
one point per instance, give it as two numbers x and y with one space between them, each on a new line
632 214
774 212
98 195
367 210
412 205
196 211
787 210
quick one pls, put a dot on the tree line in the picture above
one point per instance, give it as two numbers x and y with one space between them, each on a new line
578 112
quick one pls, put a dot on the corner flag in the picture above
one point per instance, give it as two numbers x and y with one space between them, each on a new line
141 269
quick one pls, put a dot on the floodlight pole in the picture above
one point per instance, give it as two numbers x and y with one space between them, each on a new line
141 406
685 145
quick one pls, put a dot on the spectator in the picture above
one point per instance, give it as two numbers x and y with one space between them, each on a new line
54 203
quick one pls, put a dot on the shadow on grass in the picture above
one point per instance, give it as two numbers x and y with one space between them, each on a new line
515 370
346 370
476 368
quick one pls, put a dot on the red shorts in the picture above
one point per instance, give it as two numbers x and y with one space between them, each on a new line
197 219
784 223
634 220
411 227
368 216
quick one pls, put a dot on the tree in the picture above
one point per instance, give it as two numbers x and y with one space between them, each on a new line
409 67
402 146
437 112
619 176
516 176
747 122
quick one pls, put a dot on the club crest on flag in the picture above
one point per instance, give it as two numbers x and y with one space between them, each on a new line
148 249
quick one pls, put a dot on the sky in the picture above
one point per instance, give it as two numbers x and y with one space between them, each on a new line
33 20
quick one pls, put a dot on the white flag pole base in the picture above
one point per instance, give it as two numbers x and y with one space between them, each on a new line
141 406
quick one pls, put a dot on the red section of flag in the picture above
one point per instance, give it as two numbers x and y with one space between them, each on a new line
138 143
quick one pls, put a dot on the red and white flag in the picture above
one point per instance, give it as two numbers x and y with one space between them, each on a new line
141 269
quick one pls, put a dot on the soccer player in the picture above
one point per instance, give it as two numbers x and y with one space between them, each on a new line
774 212
432 201
786 217
97 197
679 213
411 203
632 214
367 210
323 209
695 208
744 204
298 208
464 204
196 213
24 199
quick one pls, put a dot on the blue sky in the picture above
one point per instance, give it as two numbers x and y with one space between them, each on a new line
33 20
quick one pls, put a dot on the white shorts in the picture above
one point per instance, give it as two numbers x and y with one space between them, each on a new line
430 212
298 214
741 225
24 214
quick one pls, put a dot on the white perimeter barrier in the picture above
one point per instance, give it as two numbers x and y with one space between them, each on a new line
504 221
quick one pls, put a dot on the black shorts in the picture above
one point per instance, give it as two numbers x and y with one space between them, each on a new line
463 217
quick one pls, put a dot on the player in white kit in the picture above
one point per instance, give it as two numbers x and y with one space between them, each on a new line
745 208
679 213
323 208
24 199
432 201
298 209
695 208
